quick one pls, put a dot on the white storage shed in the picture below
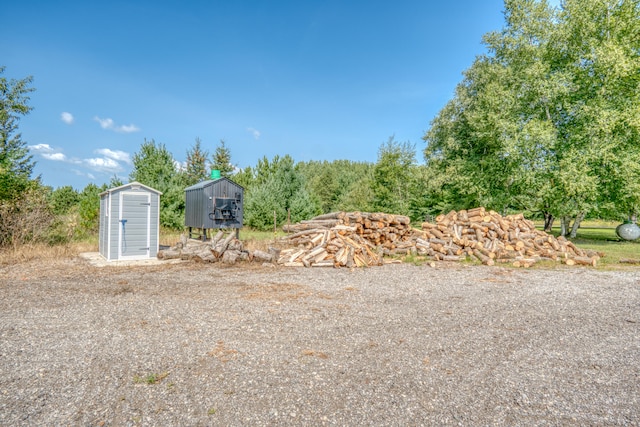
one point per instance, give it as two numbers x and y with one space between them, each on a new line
129 222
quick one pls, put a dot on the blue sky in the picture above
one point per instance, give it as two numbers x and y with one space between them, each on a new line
318 80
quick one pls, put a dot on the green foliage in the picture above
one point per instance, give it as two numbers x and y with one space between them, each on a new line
155 167
16 165
338 185
63 199
115 181
245 178
89 208
303 205
221 160
196 169
393 177
260 205
278 187
358 196
548 121
172 203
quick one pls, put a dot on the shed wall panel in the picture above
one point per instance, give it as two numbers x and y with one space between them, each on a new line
200 204
140 206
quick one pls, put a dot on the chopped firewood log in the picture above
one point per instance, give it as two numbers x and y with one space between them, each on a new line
262 256
507 239
168 254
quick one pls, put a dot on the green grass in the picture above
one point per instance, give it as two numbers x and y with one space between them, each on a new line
152 378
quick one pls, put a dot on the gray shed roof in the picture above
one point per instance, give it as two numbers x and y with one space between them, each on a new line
209 182
130 185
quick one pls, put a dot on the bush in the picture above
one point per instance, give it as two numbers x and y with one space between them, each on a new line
26 218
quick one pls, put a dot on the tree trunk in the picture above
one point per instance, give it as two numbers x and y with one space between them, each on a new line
576 225
548 221
565 221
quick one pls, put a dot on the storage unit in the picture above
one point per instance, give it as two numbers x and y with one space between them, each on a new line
129 222
213 204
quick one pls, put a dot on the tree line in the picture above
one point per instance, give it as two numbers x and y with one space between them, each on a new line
546 122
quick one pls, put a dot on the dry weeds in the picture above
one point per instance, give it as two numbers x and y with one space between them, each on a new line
44 253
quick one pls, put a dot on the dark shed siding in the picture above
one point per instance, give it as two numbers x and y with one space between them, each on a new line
200 199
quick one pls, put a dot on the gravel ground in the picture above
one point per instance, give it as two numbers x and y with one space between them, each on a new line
397 345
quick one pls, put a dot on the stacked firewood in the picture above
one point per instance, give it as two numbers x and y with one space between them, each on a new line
227 249
380 229
489 237
338 246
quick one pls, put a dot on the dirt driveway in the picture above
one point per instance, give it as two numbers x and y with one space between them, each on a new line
397 345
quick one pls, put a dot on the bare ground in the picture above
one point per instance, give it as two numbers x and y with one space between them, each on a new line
189 344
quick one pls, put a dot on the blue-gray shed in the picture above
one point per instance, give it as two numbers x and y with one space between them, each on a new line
129 222
214 204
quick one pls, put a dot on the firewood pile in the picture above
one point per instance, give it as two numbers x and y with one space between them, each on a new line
345 239
488 237
379 229
338 246
227 249
359 239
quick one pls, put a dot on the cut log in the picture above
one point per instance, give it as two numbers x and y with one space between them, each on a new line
215 239
204 256
261 256
230 257
221 247
583 260
169 254
483 258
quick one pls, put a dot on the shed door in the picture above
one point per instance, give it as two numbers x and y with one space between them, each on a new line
135 225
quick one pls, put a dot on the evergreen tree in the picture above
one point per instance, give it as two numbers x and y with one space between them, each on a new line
155 167
16 164
63 199
221 160
196 169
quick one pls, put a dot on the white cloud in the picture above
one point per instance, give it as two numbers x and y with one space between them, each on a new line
80 173
58 157
254 132
103 164
41 148
108 160
104 123
127 128
109 124
114 154
66 117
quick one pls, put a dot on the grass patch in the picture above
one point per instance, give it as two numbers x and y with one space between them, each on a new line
150 378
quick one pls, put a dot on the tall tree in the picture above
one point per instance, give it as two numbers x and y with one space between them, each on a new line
393 175
221 160
63 199
548 120
278 188
155 167
196 169
16 164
